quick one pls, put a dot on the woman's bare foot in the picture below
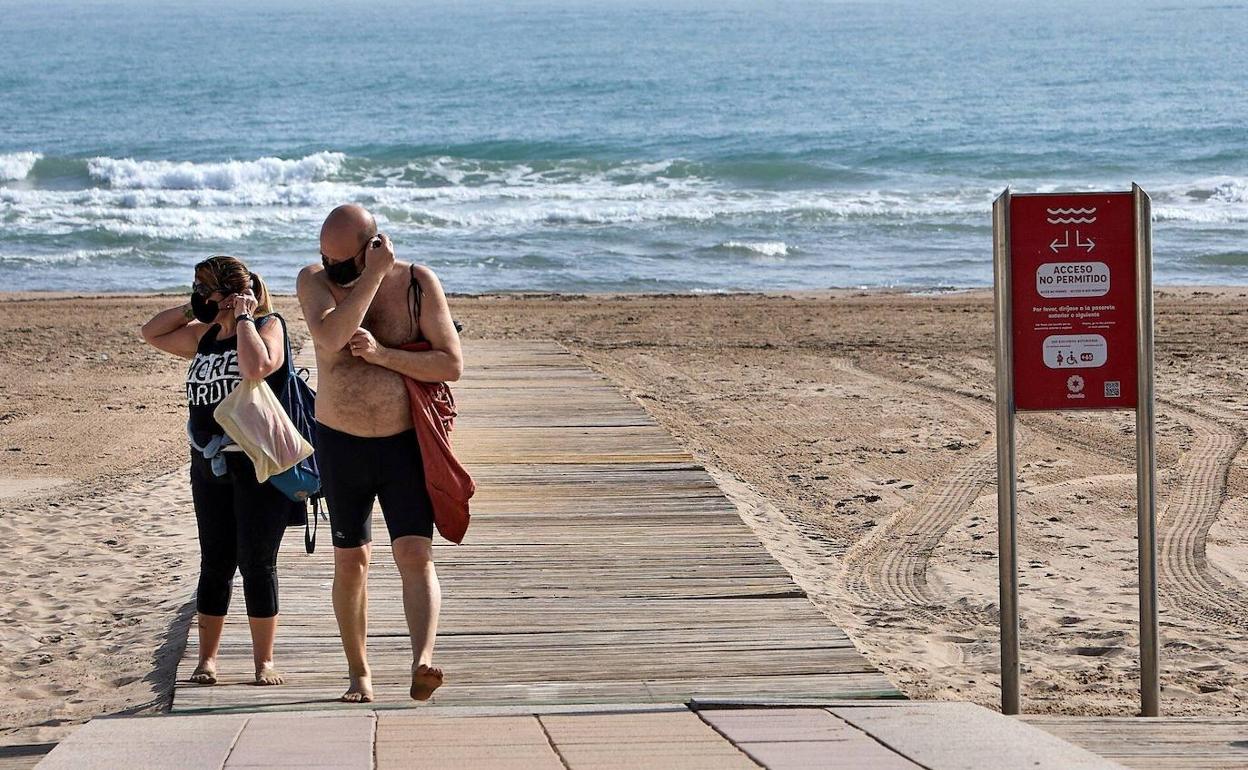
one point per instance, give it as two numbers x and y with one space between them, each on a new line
359 691
267 675
205 673
425 679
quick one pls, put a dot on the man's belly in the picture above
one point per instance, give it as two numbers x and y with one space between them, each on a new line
358 398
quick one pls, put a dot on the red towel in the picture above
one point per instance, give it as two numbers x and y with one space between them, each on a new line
448 482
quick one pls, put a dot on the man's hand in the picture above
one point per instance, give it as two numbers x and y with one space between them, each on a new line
364 345
379 259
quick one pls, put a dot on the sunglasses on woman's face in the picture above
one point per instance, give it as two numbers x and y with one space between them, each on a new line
203 290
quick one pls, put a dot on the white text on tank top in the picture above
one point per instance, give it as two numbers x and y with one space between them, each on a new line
211 377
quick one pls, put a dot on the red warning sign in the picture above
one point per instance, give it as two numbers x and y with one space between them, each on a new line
1072 275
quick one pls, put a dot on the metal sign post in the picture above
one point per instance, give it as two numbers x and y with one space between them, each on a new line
1074 330
1007 539
1145 458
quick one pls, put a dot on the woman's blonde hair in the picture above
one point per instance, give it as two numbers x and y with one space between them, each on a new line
231 276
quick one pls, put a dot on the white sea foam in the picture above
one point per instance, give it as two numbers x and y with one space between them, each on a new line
71 257
127 173
1232 191
764 248
236 213
1209 201
286 199
17 165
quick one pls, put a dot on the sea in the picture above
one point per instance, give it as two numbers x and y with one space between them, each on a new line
609 145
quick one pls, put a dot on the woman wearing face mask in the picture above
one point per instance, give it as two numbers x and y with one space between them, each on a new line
229 333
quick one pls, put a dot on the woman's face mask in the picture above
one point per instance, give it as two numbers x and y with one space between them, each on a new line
205 309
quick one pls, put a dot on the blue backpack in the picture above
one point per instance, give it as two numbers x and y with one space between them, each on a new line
302 483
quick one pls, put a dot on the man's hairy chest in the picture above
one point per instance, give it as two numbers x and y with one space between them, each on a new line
393 322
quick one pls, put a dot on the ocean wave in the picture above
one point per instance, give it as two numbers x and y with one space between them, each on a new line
234 214
75 257
287 199
127 173
1223 259
1219 189
452 171
763 248
1231 191
15 166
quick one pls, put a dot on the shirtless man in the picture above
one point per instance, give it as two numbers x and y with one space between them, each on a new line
360 306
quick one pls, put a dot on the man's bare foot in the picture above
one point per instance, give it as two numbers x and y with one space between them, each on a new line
205 673
425 679
267 675
359 691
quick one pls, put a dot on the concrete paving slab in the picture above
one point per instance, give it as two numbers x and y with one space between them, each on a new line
159 728
399 755
529 709
139 743
963 736
344 742
331 756
346 728
628 728
801 738
460 731
825 755
145 756
799 724
664 756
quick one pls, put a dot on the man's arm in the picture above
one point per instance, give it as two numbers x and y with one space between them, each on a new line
443 362
331 324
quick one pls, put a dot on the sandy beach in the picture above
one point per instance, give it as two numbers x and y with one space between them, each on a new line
853 429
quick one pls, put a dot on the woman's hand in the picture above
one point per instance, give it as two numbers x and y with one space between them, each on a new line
363 345
242 304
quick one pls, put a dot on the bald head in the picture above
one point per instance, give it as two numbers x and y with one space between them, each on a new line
346 230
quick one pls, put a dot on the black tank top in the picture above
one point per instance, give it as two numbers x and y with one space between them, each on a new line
212 375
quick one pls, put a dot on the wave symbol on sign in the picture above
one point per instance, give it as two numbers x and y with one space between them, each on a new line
1071 216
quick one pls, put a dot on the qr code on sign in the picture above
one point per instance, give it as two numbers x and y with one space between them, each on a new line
1113 389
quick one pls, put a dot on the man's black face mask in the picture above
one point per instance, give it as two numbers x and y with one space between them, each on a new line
343 273
346 272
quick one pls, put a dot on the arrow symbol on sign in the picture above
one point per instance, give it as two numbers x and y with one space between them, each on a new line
1089 245
1064 244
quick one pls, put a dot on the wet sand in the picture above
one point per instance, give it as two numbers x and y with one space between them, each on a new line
855 430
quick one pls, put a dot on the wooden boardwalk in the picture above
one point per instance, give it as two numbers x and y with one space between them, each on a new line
1165 743
603 565
608 610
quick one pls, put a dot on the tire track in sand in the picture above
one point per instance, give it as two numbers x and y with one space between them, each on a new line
888 569
1188 584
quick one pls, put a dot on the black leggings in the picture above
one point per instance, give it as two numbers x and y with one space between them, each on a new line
241 523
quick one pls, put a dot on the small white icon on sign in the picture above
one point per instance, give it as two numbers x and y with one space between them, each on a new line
1074 383
1071 216
1080 242
1075 351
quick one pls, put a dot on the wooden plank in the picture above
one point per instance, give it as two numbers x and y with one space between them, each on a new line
1161 743
603 566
